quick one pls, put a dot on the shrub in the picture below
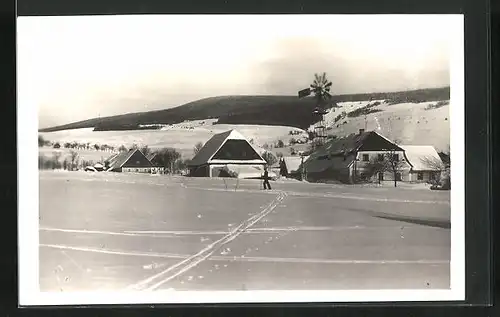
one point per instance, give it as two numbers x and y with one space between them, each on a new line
280 144
438 105
292 141
57 145
46 163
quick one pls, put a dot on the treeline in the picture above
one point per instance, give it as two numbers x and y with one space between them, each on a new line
42 142
414 96
71 162
113 126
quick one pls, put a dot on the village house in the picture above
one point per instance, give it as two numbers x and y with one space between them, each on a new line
290 166
426 164
356 157
130 161
227 154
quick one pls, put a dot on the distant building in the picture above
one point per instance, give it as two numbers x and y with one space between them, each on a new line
348 159
130 161
426 163
290 166
227 154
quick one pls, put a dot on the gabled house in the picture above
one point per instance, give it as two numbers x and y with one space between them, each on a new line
426 163
350 158
290 166
130 161
224 152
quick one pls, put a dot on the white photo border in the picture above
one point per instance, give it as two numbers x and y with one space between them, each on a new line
28 189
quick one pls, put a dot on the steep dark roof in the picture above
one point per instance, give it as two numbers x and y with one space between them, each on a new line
151 156
339 153
118 160
207 152
209 149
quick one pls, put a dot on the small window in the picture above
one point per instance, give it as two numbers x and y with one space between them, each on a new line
420 176
381 157
395 157
398 176
366 157
432 176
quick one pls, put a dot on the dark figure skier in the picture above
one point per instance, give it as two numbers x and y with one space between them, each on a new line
266 179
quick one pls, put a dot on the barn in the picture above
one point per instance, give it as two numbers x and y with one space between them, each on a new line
227 154
131 161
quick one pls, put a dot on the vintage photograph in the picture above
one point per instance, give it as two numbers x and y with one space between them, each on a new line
241 155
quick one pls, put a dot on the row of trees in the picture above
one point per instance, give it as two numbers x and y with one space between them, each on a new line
42 142
71 162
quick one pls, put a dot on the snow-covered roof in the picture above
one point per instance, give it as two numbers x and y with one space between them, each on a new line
422 157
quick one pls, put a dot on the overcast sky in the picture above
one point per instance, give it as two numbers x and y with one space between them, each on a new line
81 67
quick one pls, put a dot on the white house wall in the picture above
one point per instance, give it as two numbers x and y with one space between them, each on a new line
246 170
136 170
426 176
360 164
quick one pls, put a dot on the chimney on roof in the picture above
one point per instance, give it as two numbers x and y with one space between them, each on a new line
361 131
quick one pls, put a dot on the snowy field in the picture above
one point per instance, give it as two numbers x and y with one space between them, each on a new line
110 231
